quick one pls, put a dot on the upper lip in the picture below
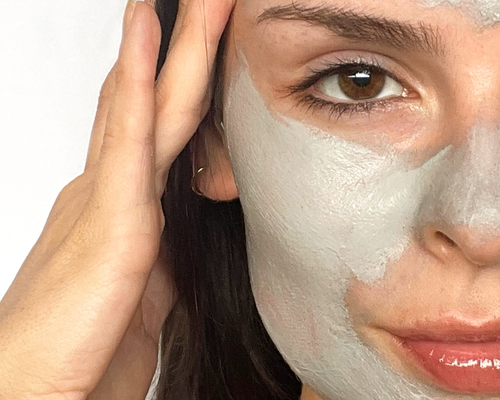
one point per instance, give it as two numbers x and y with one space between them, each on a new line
450 330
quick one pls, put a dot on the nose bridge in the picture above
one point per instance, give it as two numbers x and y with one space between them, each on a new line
464 199
474 186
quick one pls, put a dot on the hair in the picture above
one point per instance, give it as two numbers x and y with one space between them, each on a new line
213 343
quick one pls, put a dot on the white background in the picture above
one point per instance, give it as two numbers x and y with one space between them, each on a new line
54 56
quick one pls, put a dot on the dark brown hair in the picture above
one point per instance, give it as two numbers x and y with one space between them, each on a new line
214 345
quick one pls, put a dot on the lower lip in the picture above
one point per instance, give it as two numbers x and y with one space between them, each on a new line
462 367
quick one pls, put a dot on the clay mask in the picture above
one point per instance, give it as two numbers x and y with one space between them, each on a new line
319 210
485 12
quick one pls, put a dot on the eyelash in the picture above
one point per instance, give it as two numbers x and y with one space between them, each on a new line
338 109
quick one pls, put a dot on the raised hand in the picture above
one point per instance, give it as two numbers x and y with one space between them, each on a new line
83 316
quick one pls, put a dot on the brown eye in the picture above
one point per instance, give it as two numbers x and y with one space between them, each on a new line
360 83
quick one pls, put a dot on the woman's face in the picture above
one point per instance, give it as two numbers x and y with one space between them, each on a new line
365 141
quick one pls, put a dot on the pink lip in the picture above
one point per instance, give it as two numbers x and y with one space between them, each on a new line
460 357
451 330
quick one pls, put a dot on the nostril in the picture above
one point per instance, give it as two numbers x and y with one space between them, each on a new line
447 242
442 237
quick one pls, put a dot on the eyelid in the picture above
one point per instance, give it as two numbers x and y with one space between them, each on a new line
317 102
332 66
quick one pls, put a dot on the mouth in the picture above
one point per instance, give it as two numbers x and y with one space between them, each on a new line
457 357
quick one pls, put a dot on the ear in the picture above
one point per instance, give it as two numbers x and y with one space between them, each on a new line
216 180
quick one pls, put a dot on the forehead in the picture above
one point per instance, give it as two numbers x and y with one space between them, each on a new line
481 13
485 12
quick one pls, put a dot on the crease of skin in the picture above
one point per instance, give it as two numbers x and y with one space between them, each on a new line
320 209
484 12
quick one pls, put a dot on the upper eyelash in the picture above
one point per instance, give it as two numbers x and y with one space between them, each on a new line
335 68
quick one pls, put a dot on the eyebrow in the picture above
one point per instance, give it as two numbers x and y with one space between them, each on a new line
361 27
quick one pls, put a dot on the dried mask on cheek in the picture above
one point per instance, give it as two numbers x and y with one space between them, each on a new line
313 204
320 210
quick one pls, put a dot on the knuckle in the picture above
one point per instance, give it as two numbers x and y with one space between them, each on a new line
107 87
120 139
130 84
183 4
121 74
65 194
71 197
74 188
190 113
104 97
105 93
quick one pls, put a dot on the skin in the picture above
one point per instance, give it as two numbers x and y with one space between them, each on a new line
141 127
432 279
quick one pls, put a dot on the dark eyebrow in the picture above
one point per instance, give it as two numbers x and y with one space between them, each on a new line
361 27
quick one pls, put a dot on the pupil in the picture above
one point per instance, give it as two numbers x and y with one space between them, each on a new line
361 78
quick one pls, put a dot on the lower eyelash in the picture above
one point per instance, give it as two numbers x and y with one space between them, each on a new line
314 104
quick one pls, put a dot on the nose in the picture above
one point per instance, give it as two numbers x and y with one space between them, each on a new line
473 244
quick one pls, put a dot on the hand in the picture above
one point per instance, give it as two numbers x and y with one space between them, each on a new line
83 316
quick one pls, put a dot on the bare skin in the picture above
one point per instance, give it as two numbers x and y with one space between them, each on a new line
83 316
308 394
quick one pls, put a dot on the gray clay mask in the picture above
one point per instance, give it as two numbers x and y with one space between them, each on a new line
320 210
485 12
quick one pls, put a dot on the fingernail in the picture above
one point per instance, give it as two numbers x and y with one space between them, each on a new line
127 17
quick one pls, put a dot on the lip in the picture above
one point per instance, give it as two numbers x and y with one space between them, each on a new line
451 330
456 356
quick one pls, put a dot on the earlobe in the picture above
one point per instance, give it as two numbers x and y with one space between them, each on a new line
218 185
212 171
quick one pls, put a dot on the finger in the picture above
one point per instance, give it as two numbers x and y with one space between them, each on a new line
105 97
96 137
126 165
182 87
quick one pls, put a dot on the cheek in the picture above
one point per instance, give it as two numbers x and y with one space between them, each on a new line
402 294
283 319
316 197
316 211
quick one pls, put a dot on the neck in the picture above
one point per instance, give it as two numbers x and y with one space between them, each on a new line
309 394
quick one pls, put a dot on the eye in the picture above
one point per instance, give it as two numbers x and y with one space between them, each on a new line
360 83
350 87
